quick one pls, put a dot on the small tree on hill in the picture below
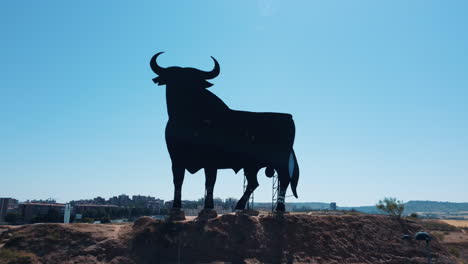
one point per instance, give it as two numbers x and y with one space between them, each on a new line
391 206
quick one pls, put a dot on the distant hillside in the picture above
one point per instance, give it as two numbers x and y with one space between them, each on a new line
417 206
431 206
365 209
410 207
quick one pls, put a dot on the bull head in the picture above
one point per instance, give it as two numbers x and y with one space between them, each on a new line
177 76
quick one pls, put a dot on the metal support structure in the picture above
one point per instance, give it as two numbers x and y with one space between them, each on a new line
252 201
274 191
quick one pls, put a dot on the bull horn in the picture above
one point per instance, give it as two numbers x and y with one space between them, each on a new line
213 73
154 65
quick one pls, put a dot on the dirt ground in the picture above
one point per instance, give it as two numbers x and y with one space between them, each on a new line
456 241
293 238
457 223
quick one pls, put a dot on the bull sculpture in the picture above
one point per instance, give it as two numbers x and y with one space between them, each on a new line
203 132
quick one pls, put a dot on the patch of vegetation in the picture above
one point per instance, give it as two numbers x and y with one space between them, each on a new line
414 215
438 226
454 251
13 218
87 220
352 212
391 206
53 236
15 238
52 216
8 256
439 235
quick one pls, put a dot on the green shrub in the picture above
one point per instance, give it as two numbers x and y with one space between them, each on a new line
87 220
391 206
439 235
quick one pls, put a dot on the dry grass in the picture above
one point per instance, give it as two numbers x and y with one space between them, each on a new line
8 256
438 225
457 223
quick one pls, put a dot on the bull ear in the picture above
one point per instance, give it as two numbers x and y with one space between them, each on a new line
205 84
159 81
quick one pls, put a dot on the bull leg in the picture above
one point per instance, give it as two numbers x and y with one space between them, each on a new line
252 184
283 176
210 180
178 174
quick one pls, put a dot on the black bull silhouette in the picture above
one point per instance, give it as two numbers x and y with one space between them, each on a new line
203 132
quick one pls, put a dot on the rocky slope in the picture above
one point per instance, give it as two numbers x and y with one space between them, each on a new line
294 238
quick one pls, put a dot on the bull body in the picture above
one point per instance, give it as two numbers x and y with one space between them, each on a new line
237 140
203 132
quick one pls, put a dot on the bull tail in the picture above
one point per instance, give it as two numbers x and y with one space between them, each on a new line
293 169
293 172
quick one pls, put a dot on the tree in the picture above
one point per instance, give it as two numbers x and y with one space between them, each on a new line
13 218
391 206
53 216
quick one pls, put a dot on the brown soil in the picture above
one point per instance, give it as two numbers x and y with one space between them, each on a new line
455 241
294 238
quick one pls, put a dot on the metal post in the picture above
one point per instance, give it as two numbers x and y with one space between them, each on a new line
274 191
252 201
245 189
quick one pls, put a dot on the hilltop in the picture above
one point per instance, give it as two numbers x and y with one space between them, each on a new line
294 238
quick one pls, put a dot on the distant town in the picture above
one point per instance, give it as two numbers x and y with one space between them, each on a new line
124 208
98 210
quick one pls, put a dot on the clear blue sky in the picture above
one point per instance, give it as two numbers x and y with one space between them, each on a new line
378 90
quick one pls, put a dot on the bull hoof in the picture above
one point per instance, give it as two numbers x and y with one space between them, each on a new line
176 214
207 214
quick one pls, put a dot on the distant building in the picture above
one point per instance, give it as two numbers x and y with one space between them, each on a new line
121 200
82 208
3 208
168 204
82 201
333 206
218 201
230 203
47 201
6 205
140 199
31 210
155 205
186 204
99 200
124 200
114 200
